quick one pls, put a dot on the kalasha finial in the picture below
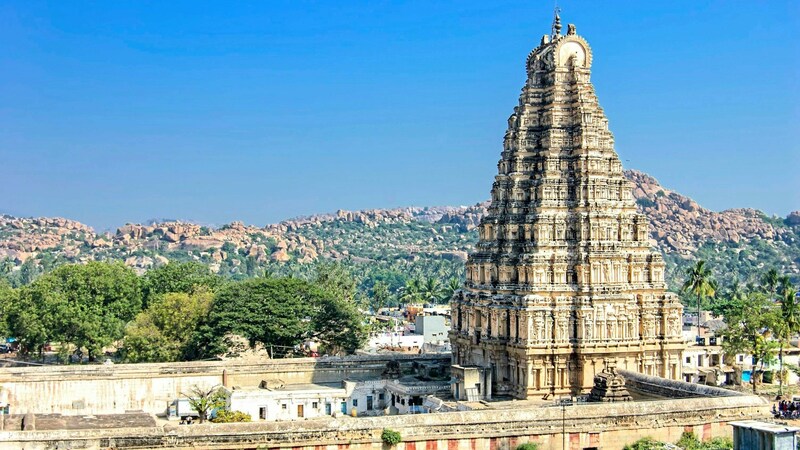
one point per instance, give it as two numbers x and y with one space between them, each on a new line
556 22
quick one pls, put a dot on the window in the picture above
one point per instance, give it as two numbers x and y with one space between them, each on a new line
688 360
262 413
315 405
355 402
283 406
380 397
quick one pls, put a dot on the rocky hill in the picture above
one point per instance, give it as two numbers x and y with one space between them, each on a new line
400 242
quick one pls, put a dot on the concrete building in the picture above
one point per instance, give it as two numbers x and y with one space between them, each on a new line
291 402
433 329
350 397
563 278
754 435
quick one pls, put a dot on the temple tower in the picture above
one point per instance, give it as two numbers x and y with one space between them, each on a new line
563 279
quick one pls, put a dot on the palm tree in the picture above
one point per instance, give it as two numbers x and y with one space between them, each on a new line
784 283
412 291
432 290
699 282
769 282
789 324
453 284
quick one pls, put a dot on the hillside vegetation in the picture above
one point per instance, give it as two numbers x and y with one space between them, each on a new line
391 245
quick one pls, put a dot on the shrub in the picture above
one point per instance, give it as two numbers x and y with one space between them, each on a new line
390 437
719 443
225 416
646 443
688 441
645 202
528 446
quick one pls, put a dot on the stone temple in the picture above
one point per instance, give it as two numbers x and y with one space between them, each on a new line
563 280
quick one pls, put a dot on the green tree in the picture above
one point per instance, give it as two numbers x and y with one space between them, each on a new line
280 312
270 311
338 325
86 306
206 400
748 321
699 283
412 292
6 267
31 317
7 299
453 284
336 279
432 290
769 282
380 295
163 332
183 277
28 272
733 292
787 325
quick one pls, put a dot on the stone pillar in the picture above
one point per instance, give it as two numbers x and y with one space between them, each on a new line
488 383
29 422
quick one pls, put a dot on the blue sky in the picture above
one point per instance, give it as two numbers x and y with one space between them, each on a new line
114 112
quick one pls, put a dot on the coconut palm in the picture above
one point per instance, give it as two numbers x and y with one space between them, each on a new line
788 324
784 283
769 282
432 290
699 282
412 291
453 284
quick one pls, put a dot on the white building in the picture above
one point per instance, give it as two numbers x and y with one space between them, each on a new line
275 401
290 402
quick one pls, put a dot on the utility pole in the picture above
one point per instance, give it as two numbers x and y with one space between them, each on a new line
564 402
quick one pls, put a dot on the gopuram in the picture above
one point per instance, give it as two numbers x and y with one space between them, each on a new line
563 279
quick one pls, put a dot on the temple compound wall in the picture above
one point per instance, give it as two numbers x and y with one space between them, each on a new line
115 389
585 426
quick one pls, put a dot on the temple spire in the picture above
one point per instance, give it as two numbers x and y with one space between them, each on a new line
562 276
556 22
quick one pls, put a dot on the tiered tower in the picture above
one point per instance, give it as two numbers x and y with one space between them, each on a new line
563 279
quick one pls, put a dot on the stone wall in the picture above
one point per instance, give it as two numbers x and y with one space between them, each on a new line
603 426
672 388
114 389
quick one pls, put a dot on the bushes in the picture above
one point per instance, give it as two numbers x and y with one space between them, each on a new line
390 437
688 441
528 446
646 443
645 202
225 416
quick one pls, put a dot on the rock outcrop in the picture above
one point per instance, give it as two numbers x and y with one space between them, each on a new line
678 225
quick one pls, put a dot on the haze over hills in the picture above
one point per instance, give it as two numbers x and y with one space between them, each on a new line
400 243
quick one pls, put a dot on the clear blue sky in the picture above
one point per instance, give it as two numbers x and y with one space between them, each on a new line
121 111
